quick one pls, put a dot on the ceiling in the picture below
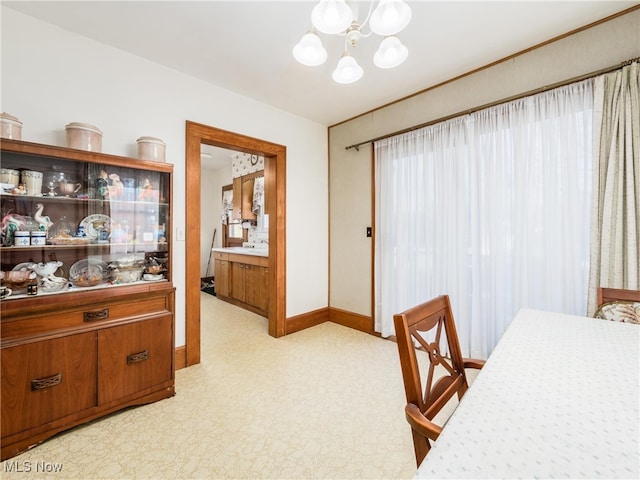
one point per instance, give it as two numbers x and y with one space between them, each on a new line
245 46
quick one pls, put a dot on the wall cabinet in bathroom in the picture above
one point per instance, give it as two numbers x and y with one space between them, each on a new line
243 190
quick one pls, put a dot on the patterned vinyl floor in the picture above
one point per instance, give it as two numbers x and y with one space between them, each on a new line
324 403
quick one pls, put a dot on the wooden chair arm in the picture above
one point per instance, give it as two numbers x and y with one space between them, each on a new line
473 363
420 423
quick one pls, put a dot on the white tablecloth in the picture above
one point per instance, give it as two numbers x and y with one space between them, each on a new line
558 398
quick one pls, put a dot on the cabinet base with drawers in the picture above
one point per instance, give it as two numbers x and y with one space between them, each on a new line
101 352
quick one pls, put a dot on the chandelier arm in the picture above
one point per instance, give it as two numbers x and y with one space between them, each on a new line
369 15
366 20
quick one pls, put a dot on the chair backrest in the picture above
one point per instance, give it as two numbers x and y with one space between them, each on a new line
607 295
422 328
434 316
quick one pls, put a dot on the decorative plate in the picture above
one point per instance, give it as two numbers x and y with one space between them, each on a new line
90 228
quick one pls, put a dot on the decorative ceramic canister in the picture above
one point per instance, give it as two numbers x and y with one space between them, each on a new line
22 238
11 127
84 136
151 148
38 237
10 176
32 181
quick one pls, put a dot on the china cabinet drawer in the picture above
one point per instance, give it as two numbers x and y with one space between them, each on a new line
47 380
134 357
82 317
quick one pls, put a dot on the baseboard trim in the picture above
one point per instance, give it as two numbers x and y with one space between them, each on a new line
356 321
180 357
306 320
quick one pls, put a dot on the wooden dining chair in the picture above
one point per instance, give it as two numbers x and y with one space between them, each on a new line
618 305
424 401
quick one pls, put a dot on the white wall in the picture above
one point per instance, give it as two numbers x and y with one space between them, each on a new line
350 180
211 183
51 77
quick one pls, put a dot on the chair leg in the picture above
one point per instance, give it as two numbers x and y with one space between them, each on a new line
421 446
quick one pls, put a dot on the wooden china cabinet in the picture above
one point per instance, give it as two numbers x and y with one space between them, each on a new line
91 330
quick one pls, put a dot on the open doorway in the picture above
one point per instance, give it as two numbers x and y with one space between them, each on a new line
274 175
216 195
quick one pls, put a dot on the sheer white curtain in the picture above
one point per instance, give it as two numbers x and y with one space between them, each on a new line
491 208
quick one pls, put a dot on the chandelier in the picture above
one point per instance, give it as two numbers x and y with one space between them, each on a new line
335 17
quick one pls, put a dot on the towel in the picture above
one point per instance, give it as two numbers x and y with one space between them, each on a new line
227 206
258 195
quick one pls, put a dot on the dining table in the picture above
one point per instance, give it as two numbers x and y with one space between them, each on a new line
557 398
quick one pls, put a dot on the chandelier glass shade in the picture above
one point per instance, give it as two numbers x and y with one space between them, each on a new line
391 17
336 17
348 70
391 53
309 51
331 16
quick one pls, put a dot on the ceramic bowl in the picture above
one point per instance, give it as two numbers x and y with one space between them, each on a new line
85 274
53 284
17 280
150 278
127 275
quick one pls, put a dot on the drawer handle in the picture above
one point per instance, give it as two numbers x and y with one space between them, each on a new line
137 357
99 315
46 382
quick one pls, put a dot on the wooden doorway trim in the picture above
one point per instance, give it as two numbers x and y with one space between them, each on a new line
275 192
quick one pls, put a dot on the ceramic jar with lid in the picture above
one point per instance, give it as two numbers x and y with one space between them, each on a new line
22 238
151 148
84 137
10 176
11 127
38 237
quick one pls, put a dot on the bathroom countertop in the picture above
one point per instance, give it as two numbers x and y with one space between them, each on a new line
258 252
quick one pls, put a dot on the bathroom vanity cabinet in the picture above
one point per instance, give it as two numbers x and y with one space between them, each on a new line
242 279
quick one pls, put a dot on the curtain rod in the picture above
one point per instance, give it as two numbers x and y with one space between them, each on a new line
497 102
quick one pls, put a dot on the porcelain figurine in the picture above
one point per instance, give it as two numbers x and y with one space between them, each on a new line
11 223
44 222
102 185
116 186
146 191
49 282
46 270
